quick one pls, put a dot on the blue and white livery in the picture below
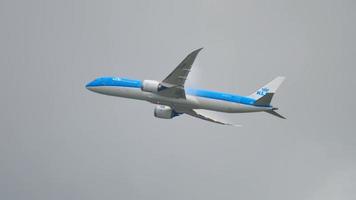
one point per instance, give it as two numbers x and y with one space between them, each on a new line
173 99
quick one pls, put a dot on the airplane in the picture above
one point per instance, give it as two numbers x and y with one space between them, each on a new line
172 99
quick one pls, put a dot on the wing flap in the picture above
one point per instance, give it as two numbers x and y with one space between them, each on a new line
196 114
174 82
180 73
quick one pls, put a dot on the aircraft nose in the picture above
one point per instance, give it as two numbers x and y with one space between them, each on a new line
92 85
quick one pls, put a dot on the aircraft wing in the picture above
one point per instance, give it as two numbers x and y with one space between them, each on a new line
196 113
174 82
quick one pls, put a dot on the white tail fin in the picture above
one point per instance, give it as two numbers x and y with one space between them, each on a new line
270 89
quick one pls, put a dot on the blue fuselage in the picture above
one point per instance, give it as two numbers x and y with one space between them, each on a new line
195 98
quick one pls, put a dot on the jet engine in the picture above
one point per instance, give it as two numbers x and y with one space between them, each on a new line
164 112
151 86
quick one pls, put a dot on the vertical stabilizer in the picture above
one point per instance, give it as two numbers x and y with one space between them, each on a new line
270 89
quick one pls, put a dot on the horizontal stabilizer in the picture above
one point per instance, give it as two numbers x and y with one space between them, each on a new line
273 112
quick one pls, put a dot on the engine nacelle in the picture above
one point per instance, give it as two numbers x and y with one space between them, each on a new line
164 112
151 86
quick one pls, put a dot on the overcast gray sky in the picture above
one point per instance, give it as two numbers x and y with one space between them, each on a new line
60 141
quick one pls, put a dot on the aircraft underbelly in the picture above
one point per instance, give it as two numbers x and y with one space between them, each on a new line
220 105
191 102
126 92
